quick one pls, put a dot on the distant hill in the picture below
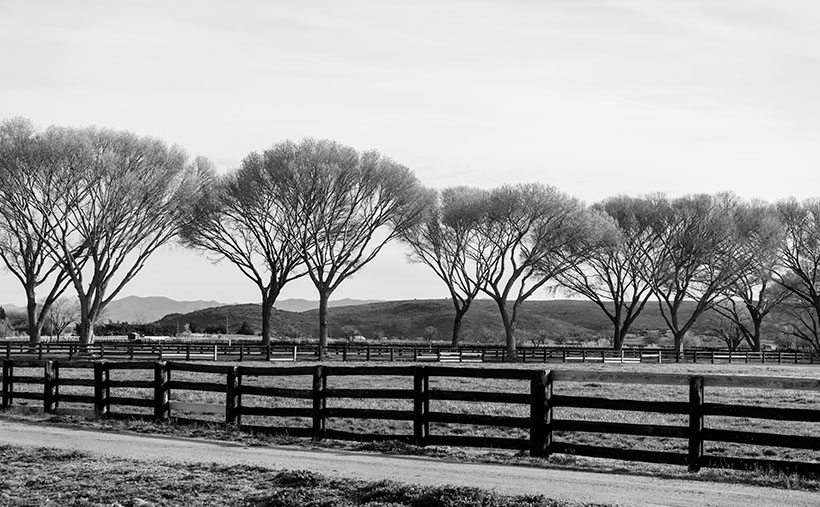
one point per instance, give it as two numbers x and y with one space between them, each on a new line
293 324
140 310
570 319
10 308
304 305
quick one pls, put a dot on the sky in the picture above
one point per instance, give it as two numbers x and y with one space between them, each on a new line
597 98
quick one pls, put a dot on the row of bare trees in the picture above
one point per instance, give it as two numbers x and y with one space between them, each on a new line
83 209
713 252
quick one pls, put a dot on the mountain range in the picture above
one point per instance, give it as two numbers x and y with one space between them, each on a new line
141 310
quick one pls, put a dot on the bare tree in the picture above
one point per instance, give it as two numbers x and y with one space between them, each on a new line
441 241
613 276
529 233
63 312
800 257
727 330
240 218
694 257
754 294
343 208
26 155
119 199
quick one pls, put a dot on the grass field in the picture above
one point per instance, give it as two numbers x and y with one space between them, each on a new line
762 397
34 477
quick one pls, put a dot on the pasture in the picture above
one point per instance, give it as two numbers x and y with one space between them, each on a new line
588 413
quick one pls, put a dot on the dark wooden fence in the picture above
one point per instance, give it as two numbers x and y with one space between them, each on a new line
238 351
545 433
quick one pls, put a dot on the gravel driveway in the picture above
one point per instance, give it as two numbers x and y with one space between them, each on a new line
557 484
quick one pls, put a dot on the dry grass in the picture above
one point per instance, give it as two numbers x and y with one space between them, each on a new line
34 477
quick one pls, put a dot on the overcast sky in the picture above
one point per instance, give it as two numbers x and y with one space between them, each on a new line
594 97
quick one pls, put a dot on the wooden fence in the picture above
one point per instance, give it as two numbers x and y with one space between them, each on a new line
161 392
223 351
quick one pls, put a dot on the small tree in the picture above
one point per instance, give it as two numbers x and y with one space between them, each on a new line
350 333
63 313
430 333
727 331
245 329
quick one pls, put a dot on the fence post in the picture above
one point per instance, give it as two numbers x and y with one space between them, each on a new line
267 352
540 413
695 423
162 395
421 405
101 389
8 386
8 350
50 379
232 397
319 402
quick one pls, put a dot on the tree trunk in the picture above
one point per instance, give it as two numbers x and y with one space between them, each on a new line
460 312
456 328
267 310
323 298
86 323
618 336
31 312
678 341
86 332
757 323
509 330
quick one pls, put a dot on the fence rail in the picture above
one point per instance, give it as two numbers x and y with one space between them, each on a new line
545 433
194 351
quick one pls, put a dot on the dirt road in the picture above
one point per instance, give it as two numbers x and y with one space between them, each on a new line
558 484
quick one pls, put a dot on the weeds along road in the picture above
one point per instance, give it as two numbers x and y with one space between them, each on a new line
556 484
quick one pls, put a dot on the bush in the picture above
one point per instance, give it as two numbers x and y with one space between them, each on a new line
246 329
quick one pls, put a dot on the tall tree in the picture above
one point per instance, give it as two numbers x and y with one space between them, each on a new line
343 206
442 240
26 155
800 257
754 293
528 234
121 197
613 275
240 218
694 257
